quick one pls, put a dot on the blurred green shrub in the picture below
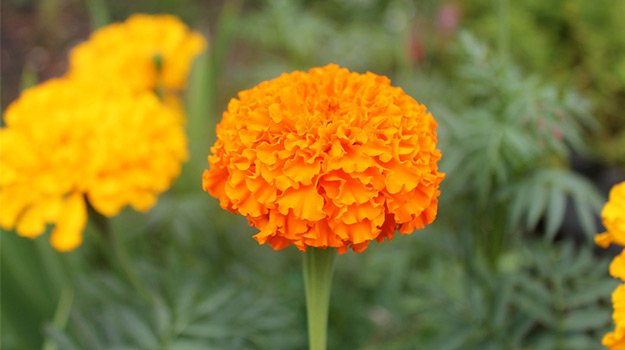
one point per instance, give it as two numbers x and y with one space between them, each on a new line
539 296
573 42
506 140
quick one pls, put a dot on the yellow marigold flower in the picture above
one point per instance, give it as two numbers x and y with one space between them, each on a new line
64 141
617 267
613 215
146 52
616 340
326 158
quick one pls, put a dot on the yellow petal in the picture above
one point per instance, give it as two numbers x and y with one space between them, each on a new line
13 201
603 239
67 234
33 221
617 267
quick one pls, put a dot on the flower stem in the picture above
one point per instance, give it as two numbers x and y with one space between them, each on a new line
318 269
61 315
116 252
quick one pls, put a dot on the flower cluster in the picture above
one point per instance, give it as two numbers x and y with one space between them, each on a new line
327 158
98 136
146 52
613 215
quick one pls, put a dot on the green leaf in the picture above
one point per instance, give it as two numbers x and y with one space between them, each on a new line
212 303
192 344
161 315
59 338
454 340
208 330
540 311
580 341
584 215
539 202
137 330
555 213
586 319
592 293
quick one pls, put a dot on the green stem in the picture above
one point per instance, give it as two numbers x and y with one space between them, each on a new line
61 315
99 14
318 268
502 14
115 250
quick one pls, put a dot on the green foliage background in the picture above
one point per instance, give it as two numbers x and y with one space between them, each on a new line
518 88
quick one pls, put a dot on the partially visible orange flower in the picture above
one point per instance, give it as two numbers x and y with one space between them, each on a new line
147 52
64 141
326 158
613 215
616 340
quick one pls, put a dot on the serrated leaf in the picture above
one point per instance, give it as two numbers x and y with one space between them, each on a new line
210 304
534 287
580 342
504 293
545 341
85 334
522 196
184 298
581 320
59 338
161 315
137 329
454 340
533 308
555 213
539 202
585 217
208 330
592 293
192 344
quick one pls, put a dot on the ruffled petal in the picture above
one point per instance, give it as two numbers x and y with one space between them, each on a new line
67 235
326 158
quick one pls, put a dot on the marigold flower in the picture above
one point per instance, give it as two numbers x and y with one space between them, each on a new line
64 141
613 215
146 52
617 267
616 340
326 158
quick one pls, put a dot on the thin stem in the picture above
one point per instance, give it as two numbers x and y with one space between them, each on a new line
116 252
502 9
318 269
61 315
99 14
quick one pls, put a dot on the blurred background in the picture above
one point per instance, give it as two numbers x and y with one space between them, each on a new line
529 97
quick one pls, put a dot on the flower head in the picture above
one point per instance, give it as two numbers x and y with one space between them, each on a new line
64 141
616 340
613 215
326 158
146 52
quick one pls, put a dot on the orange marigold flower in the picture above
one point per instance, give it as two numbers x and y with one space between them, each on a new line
616 340
64 141
326 158
146 52
613 215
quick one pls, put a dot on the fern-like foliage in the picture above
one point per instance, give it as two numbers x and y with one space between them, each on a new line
186 312
506 142
539 296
